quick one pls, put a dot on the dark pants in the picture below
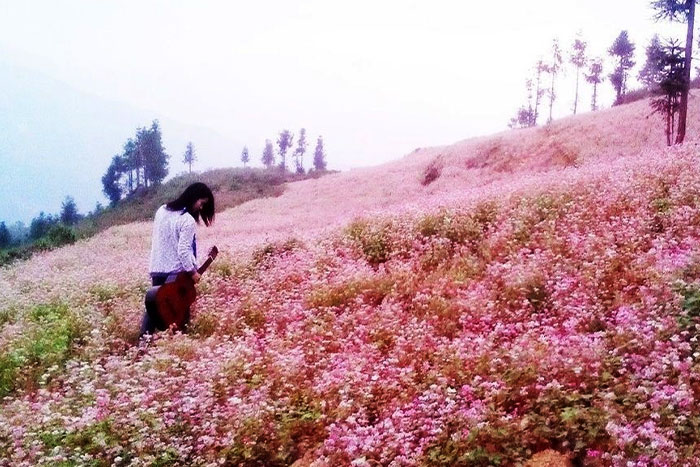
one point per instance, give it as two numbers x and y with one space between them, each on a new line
147 324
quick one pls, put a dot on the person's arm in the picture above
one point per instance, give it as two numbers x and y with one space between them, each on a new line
184 247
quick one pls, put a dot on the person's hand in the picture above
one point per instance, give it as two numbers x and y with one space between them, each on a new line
196 276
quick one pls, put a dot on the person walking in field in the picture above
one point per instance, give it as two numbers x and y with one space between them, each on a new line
174 242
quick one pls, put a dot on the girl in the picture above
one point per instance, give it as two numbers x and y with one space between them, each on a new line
174 243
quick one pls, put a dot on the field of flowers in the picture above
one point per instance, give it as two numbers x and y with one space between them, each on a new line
522 299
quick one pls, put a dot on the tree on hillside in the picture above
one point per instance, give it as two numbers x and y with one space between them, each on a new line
41 225
671 83
18 232
595 77
245 157
525 117
98 209
284 142
553 68
268 155
155 160
131 164
110 180
540 68
143 162
189 156
621 50
650 75
299 151
69 211
319 155
5 238
683 11
579 59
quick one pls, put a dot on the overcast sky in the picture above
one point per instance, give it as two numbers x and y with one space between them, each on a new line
375 78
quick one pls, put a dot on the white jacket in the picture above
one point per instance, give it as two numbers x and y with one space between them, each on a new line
173 242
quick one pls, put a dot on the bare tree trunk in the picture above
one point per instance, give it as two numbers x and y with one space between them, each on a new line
537 92
551 98
594 107
683 111
578 72
669 116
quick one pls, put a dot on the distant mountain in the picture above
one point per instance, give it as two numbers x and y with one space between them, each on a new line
56 140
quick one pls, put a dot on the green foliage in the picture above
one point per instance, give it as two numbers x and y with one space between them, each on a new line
284 142
231 187
52 331
273 249
189 157
57 236
69 211
5 238
15 254
319 156
372 239
110 181
268 155
460 227
92 439
622 50
41 225
7 315
369 290
278 438
690 318
167 458
204 325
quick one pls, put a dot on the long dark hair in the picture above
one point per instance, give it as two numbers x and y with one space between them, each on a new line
190 196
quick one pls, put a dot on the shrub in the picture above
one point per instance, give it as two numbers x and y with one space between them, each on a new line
57 236
459 227
372 239
53 330
433 171
371 290
269 250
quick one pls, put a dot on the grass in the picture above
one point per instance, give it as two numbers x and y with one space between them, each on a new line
49 341
231 187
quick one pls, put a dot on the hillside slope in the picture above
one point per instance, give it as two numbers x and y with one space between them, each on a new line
541 292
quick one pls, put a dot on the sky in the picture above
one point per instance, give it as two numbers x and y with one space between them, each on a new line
376 79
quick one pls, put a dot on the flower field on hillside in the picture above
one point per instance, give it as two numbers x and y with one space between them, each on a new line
558 311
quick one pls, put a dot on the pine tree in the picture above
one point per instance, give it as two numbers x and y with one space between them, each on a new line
69 211
578 59
110 180
623 50
155 160
268 155
131 164
189 157
683 11
594 77
5 238
650 75
284 142
671 84
98 209
245 158
319 155
41 225
299 151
